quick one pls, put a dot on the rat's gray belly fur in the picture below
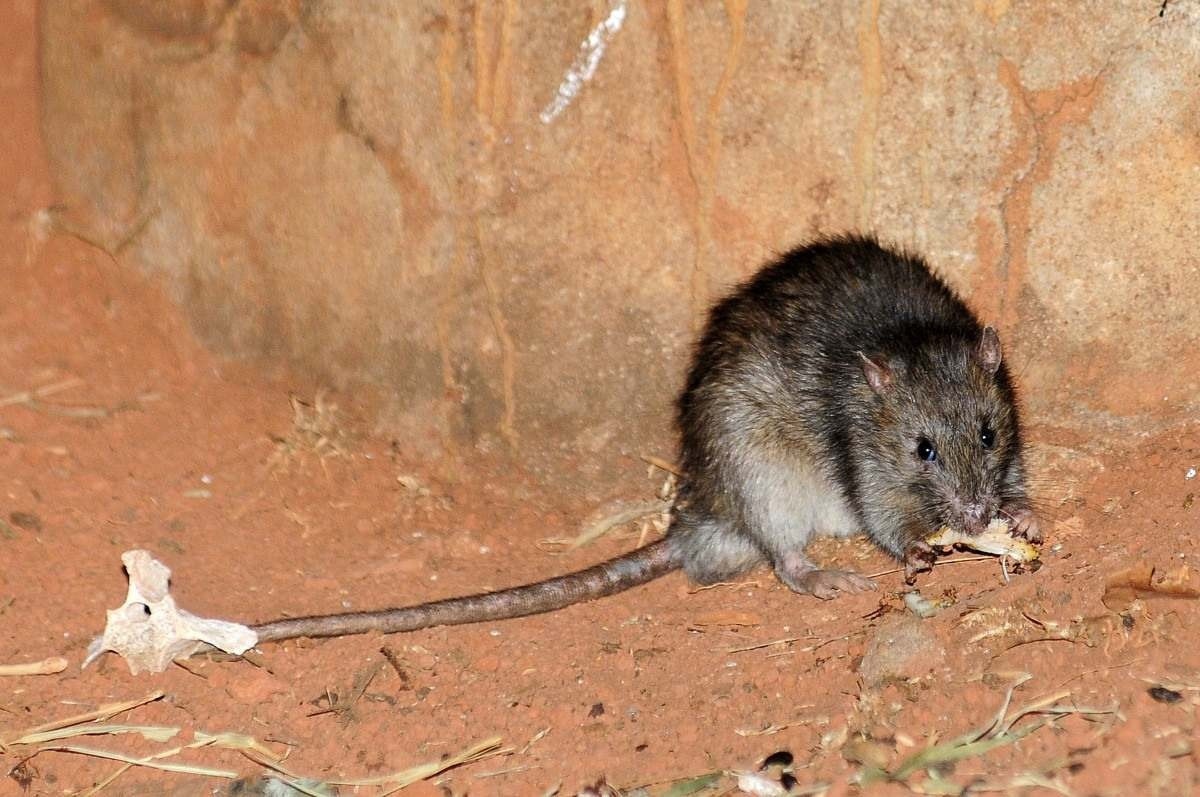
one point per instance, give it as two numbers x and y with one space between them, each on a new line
789 501
774 494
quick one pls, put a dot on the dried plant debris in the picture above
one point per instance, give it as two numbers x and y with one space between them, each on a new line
317 430
50 737
34 399
149 631
614 516
488 748
1143 581
648 517
652 517
1005 728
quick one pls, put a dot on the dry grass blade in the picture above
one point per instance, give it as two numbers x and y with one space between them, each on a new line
999 718
232 741
154 733
681 788
1028 780
32 399
105 712
957 750
240 742
30 396
151 763
398 780
495 773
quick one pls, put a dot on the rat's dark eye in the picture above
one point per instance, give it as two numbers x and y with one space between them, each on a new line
926 451
987 436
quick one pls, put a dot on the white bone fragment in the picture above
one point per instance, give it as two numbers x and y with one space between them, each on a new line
149 631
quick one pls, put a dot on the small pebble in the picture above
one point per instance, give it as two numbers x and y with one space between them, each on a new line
1164 695
26 520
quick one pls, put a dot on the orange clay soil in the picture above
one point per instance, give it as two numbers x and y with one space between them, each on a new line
146 440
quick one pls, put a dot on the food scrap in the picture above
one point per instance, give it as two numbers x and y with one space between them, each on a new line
995 539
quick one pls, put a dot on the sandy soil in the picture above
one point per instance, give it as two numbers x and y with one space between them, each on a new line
142 439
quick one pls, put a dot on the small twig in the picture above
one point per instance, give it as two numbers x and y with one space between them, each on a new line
32 400
789 640
76 412
773 642
662 464
534 740
938 563
773 728
190 670
397 665
341 706
30 396
50 666
1098 669
498 772
1025 642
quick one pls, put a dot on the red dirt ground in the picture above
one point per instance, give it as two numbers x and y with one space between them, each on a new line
154 443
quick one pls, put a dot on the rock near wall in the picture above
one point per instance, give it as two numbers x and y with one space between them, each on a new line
512 216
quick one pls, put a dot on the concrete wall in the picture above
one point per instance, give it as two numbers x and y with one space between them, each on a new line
387 192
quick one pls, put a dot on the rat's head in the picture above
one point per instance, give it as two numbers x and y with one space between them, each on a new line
945 427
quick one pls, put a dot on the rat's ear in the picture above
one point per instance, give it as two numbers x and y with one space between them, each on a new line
988 352
879 375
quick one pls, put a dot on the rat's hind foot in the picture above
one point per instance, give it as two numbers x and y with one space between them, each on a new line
805 578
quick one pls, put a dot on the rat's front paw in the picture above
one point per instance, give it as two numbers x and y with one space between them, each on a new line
918 559
1024 523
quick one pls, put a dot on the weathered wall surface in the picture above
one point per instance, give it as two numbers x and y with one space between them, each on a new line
386 191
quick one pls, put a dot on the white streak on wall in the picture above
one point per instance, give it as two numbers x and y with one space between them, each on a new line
591 50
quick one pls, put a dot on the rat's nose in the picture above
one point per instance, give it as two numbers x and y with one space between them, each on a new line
975 517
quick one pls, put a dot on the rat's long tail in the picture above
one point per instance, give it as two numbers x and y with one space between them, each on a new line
607 578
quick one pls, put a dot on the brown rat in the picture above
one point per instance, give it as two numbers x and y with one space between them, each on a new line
842 389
